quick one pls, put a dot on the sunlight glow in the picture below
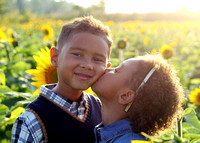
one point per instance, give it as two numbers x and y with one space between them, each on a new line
146 6
143 6
84 3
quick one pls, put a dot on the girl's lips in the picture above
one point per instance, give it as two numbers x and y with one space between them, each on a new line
83 76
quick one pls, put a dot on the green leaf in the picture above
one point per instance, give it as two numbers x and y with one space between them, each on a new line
17 112
4 89
193 130
178 139
16 94
195 141
14 114
2 77
20 66
4 140
167 137
10 102
186 125
3 109
8 133
191 118
192 136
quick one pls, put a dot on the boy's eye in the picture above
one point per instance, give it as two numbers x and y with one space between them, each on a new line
98 60
77 54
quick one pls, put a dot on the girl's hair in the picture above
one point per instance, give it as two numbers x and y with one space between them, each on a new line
85 24
158 102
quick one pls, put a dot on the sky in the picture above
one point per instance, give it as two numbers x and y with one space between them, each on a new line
143 6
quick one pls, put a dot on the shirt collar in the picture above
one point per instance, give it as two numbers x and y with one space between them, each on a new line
106 133
47 91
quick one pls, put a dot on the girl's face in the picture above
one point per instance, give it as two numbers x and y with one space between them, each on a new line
115 80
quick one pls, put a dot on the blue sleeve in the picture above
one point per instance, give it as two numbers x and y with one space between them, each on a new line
27 129
20 132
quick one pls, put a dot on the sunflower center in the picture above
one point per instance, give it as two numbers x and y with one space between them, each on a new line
198 97
167 53
46 32
51 75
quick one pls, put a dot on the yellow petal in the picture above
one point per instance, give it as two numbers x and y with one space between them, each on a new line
38 83
37 92
89 90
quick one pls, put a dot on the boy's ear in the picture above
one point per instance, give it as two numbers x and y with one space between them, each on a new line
126 97
108 65
54 55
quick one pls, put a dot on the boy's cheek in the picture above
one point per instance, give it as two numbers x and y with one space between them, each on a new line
100 72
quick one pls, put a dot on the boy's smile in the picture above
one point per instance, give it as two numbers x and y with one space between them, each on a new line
82 75
81 61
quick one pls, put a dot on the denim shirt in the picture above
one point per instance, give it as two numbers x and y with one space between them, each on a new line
117 132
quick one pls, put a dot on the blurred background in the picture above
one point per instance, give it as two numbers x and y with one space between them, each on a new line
29 28
116 10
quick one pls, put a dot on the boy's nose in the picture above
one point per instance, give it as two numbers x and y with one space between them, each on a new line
86 64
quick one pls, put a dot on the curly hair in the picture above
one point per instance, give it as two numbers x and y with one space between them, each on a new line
158 102
85 24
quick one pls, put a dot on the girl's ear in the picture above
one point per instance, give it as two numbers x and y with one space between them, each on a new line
108 65
54 56
126 97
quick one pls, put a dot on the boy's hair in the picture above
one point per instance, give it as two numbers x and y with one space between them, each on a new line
158 101
85 24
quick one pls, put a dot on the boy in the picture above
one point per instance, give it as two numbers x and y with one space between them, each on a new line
143 94
63 112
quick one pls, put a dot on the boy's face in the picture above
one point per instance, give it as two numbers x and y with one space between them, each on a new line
115 80
82 60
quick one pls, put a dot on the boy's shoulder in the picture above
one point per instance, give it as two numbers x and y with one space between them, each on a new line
27 118
27 114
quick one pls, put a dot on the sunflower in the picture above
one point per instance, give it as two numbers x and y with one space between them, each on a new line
12 38
3 35
195 96
121 44
48 32
142 30
45 72
146 41
153 52
166 51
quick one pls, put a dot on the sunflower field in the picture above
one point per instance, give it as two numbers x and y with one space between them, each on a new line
25 65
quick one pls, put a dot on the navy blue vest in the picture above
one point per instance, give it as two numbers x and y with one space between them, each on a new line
62 127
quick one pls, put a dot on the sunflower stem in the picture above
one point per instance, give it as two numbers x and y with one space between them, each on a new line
7 51
179 127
